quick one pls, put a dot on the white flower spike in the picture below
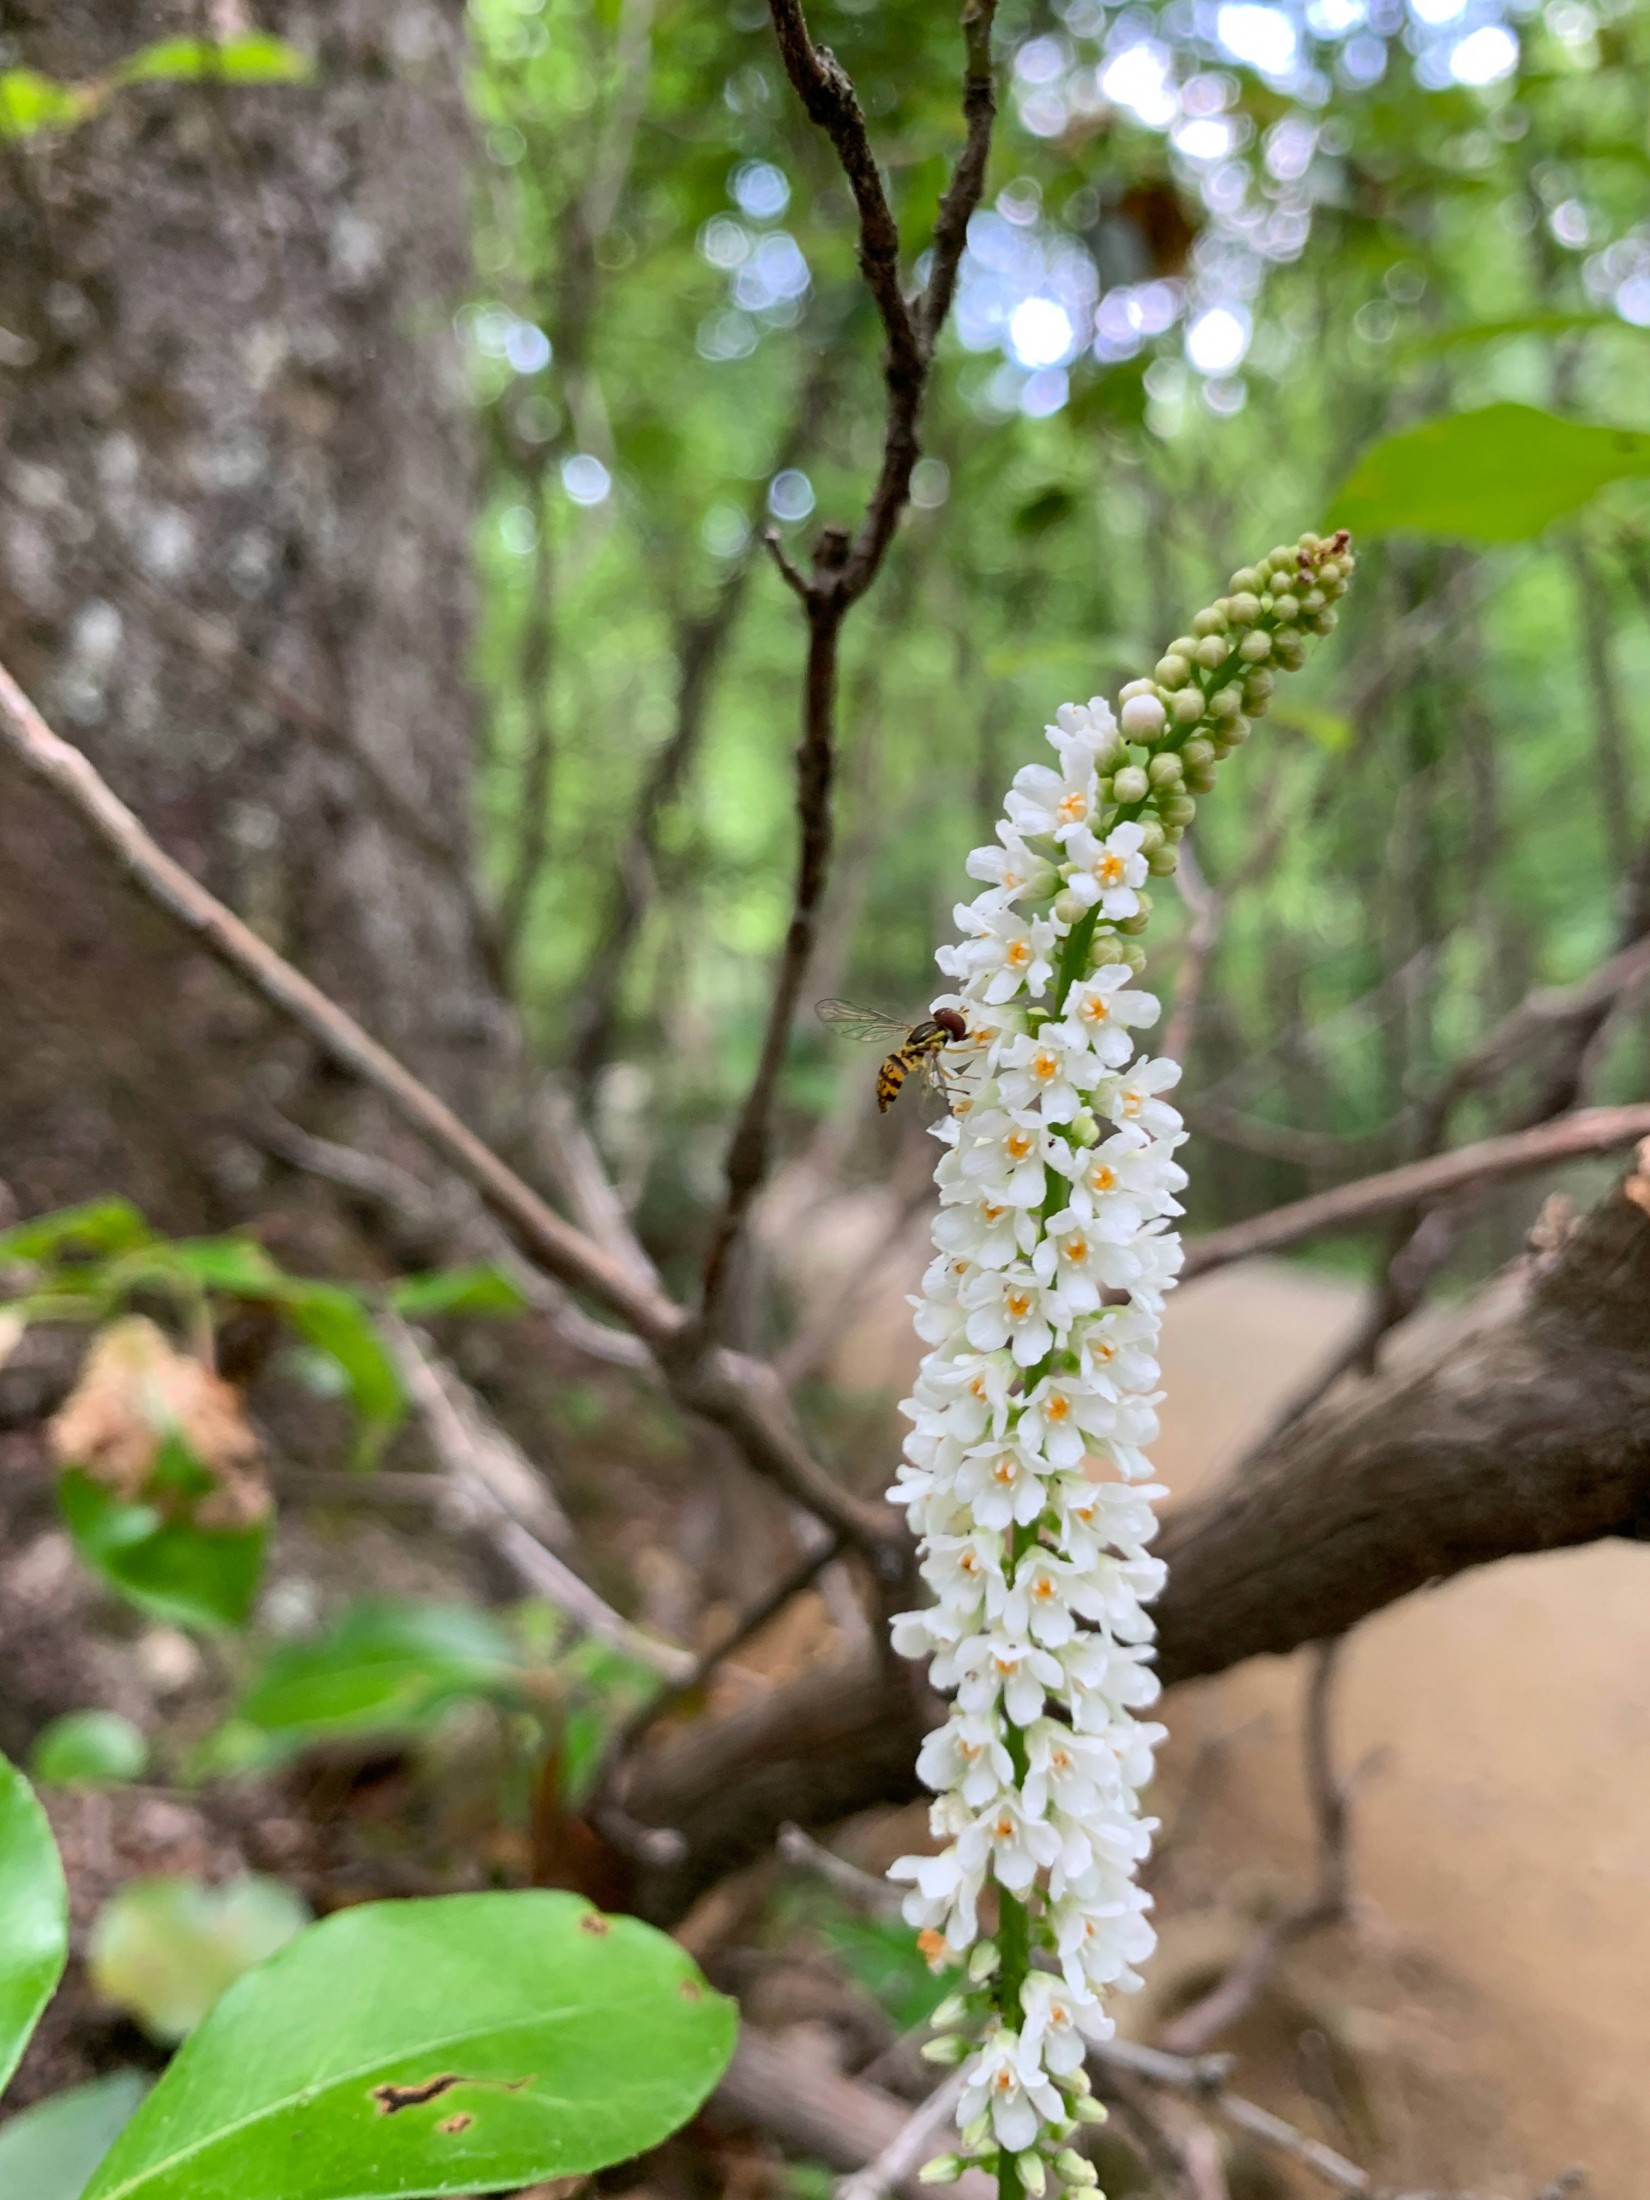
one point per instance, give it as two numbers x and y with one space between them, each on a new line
1024 1473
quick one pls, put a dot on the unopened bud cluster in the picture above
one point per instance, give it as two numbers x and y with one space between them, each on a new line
1025 1473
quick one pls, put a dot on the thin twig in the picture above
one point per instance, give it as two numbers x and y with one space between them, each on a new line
910 2147
843 566
464 1460
1518 1153
1204 2076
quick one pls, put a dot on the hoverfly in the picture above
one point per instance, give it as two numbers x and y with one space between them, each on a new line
918 1047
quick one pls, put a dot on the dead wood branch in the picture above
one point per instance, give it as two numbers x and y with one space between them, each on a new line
1518 1153
1524 1428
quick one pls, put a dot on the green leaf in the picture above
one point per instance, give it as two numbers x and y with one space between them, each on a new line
1517 324
101 1226
50 2150
385 1666
34 1908
237 1266
165 1949
468 2043
482 1289
31 102
189 1576
88 1748
253 57
335 1321
1501 474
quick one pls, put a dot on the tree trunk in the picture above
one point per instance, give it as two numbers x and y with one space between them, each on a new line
234 518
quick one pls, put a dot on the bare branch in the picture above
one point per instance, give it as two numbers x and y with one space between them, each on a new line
1517 1153
910 2146
741 1396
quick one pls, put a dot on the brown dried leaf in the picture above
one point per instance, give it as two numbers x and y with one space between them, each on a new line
135 1391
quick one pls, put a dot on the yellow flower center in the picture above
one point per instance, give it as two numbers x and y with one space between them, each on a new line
1019 1306
1018 955
1044 1066
1102 1177
992 1212
1043 1590
1004 1471
1095 1010
1018 1144
1074 807
1076 1250
1109 870
1058 1409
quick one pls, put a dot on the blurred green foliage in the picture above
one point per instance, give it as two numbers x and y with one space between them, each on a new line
1434 822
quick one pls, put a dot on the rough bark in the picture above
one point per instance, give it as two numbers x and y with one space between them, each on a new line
234 511
1525 1428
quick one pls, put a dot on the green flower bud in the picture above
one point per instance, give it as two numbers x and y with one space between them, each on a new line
1085 1131
1245 580
1195 755
1151 835
949 2047
1188 707
1177 809
1173 671
1226 702
1212 621
1258 690
1130 784
1324 622
1163 862
1164 771
1202 780
1136 923
953 2010
1069 907
1132 688
1244 607
1255 648
1091 2112
1287 609
1236 732
1183 645
983 1960
1212 652
1076 2082
1076 2170
1033 2175
1289 650
1284 558
1130 952
944 2169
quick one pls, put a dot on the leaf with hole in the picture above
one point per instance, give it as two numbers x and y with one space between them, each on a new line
34 1915
1504 473
50 2150
463 2044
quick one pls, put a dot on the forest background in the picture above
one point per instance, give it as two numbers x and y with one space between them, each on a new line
396 426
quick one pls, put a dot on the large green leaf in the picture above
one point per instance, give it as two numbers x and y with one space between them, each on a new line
383 1666
469 2043
192 1577
34 1915
1501 474
334 1320
50 2150
164 1949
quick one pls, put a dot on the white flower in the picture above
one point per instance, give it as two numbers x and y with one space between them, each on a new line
1012 1840
1134 1098
1051 805
1108 872
1010 2089
1061 1413
967 1754
1012 869
945 1896
1009 1306
1058 2023
977 1227
1001 1484
990 1666
1128 1179
1103 1007
1006 1156
1051 1070
1079 1263
1003 953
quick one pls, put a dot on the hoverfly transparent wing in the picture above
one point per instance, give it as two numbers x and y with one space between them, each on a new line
869 1024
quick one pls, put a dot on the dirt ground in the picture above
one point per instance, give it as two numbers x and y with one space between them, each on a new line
1484 2023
